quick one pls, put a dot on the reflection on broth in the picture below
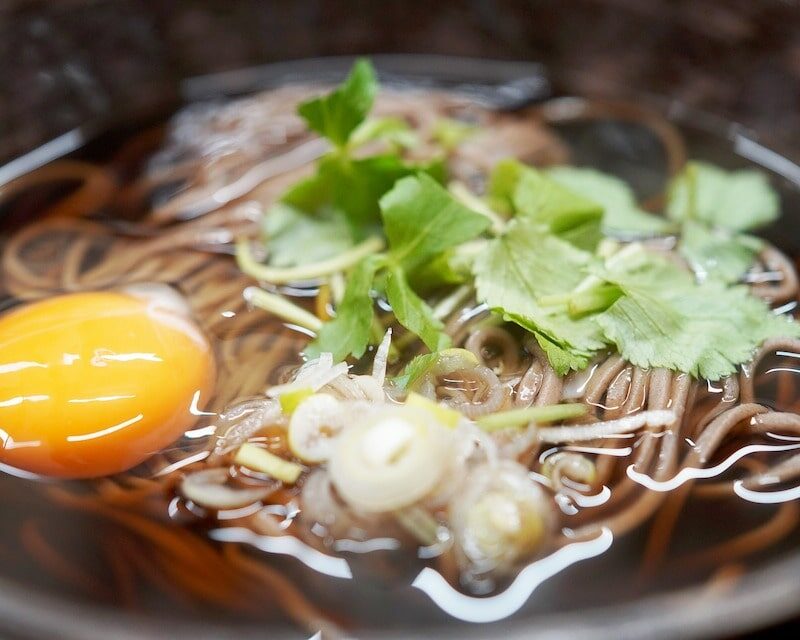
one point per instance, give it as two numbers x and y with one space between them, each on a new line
393 429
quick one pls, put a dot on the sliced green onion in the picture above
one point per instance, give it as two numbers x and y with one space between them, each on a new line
516 418
282 275
446 416
291 399
282 308
258 459
422 525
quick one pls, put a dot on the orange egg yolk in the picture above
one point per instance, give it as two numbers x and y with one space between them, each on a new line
92 384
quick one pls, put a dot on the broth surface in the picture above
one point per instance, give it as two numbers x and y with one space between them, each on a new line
74 553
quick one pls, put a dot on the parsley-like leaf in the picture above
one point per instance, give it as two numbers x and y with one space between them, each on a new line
337 114
422 220
321 236
664 319
358 185
412 312
529 193
735 200
621 215
528 263
415 370
391 130
348 333
717 253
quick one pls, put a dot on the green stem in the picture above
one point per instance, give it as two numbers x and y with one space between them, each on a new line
516 418
282 275
593 300
449 303
337 284
282 308
461 193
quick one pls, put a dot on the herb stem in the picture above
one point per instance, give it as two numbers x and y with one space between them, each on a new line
282 275
461 193
593 300
337 285
282 308
449 303
516 418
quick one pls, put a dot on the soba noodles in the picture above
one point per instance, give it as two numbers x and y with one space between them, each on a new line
483 460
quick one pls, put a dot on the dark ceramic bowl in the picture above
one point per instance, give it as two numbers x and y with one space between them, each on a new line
765 596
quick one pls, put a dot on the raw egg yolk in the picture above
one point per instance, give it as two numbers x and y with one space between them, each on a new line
91 384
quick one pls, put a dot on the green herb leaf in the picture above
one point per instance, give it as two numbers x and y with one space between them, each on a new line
354 187
321 236
358 185
450 133
450 267
528 263
349 332
621 215
665 319
531 194
310 194
562 357
415 370
434 363
412 312
717 253
392 130
422 220
735 200
337 114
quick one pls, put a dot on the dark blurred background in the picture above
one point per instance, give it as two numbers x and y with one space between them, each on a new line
63 62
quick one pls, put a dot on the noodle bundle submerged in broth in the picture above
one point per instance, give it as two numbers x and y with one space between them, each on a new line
401 338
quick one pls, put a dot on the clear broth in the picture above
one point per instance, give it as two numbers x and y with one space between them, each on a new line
381 595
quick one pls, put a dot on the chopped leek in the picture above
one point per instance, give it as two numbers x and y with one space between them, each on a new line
516 418
446 416
291 399
258 459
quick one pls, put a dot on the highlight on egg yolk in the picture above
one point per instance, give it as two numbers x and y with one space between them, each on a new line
91 384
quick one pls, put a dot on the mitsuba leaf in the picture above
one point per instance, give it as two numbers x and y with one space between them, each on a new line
349 332
665 319
717 253
528 263
336 115
391 130
421 220
358 185
450 133
285 229
734 200
528 193
412 312
621 214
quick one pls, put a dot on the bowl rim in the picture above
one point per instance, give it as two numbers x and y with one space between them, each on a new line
764 596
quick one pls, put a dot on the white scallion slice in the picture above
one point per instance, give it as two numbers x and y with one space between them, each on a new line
314 423
390 459
208 488
258 459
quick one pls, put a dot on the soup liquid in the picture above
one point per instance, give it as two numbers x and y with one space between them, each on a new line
73 554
